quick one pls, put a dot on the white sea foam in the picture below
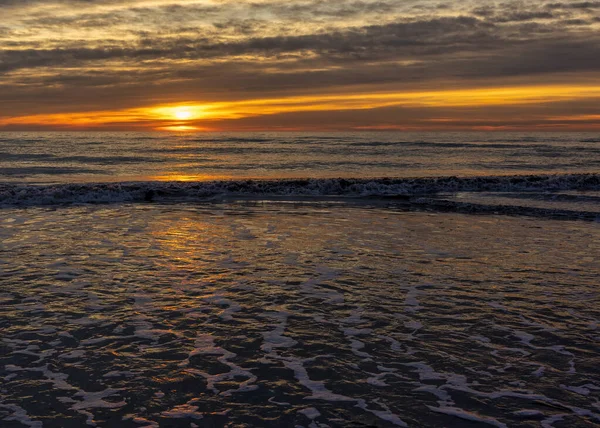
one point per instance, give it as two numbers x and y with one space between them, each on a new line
463 414
275 338
204 345
20 415
581 390
310 412
385 414
550 421
528 413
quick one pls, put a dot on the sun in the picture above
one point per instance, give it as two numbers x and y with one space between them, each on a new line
182 113
181 128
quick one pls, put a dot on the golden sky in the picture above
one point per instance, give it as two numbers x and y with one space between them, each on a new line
299 65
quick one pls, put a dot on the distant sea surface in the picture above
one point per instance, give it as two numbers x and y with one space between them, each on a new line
299 280
77 157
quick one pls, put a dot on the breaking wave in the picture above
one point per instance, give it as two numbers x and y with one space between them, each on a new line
26 194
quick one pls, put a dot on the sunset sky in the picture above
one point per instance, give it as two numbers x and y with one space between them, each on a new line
299 65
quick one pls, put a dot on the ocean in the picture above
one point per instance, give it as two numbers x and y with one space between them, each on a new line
299 279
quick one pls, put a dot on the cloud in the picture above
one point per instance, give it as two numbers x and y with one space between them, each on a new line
59 54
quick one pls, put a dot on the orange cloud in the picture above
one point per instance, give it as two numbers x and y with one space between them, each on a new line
189 116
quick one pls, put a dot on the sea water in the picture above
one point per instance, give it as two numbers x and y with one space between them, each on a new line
100 157
165 280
